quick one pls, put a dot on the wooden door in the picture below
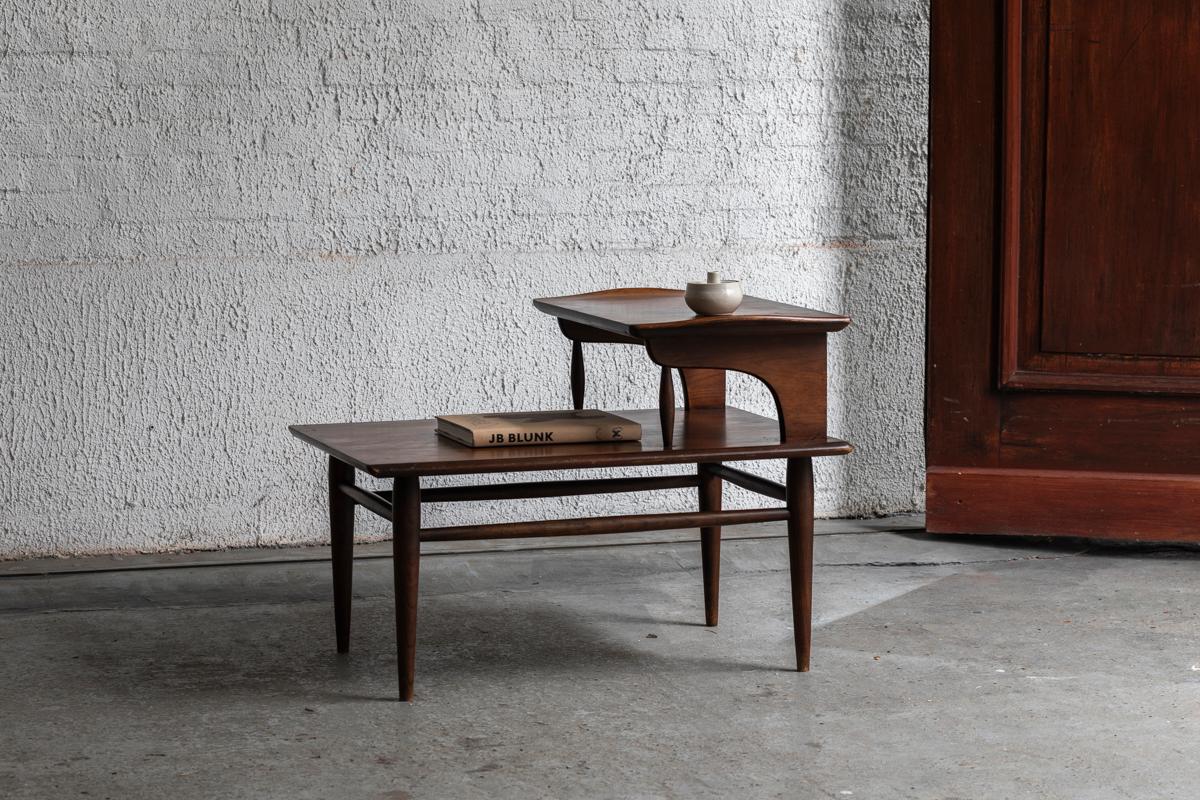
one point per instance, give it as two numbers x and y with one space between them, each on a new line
1063 377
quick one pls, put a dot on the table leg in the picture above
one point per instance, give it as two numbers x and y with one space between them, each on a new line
406 558
341 539
577 374
666 407
710 544
800 553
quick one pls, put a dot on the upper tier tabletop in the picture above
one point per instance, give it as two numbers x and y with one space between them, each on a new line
388 449
636 312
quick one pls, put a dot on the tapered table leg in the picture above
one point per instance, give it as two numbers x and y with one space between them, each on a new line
710 544
406 558
666 407
800 553
577 374
341 538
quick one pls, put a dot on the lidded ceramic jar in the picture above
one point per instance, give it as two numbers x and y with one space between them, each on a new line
713 297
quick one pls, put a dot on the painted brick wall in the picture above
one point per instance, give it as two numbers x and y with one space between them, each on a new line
221 217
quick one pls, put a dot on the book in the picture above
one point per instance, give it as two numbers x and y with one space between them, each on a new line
537 427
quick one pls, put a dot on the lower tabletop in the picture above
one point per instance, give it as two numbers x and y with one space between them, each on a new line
410 447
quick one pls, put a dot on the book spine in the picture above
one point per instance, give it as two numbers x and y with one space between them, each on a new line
501 437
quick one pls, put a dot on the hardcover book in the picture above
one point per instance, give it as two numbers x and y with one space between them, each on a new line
538 427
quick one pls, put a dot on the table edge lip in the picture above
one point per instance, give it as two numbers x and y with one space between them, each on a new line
810 449
828 322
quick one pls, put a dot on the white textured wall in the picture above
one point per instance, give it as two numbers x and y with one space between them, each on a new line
224 216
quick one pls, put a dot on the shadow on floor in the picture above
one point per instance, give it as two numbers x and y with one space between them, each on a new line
248 651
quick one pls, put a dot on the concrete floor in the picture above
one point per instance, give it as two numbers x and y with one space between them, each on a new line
942 668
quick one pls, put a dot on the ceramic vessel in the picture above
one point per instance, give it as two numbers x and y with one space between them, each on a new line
713 297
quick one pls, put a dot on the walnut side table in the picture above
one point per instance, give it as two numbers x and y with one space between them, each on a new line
781 345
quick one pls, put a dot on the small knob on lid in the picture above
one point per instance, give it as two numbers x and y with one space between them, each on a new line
714 277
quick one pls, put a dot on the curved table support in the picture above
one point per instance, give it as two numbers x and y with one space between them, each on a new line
792 365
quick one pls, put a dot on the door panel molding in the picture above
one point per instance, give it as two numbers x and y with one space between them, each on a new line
1027 360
